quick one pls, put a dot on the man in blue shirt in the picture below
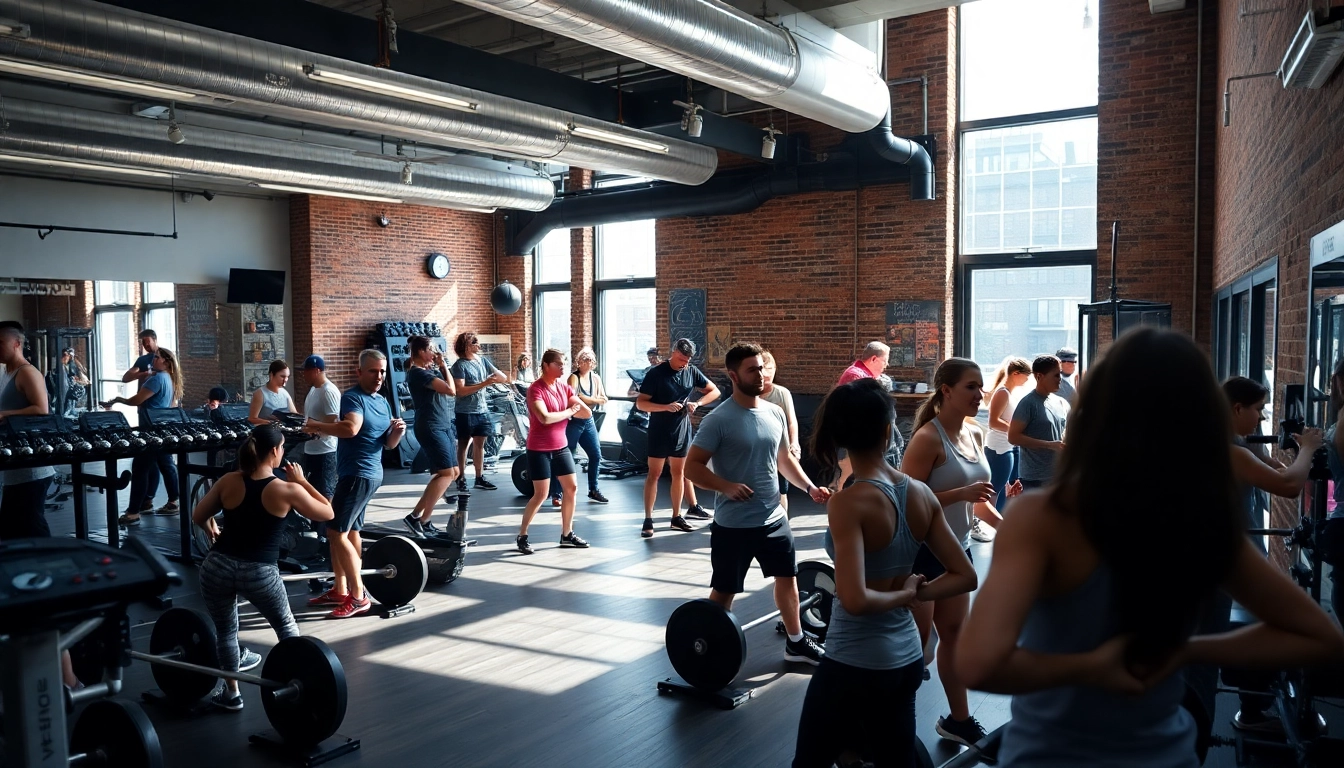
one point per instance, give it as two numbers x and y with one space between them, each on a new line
142 369
365 429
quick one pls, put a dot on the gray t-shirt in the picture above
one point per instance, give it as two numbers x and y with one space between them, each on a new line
1066 388
1044 418
745 444
471 372
321 402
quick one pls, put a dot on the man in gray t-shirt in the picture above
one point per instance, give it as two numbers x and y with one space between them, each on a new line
1038 424
471 374
745 439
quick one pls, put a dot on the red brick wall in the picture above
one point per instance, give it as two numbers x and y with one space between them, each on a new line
582 244
348 273
809 276
201 372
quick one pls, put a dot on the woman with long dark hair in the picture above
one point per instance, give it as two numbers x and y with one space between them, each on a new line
947 451
242 559
862 696
1081 617
162 389
550 405
431 387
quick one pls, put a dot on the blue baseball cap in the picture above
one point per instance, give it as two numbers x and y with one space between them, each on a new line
315 361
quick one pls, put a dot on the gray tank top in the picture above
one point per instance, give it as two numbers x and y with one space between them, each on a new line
1082 725
887 640
11 399
957 472
272 402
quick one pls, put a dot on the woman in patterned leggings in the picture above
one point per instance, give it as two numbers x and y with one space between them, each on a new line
242 560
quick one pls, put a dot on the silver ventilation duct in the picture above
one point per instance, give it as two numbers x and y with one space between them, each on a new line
50 131
275 80
717 44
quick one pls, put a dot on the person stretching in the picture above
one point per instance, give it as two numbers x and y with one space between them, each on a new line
550 405
431 390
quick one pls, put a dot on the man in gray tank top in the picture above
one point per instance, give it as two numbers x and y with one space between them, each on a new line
22 512
1038 424
745 438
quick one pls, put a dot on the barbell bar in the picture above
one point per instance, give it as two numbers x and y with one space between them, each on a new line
399 565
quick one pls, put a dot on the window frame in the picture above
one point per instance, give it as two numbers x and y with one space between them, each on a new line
1227 319
540 289
968 264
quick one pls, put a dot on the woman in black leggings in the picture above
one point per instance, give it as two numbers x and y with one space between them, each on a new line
242 560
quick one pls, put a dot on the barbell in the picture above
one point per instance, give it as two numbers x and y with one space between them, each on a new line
398 566
707 646
302 680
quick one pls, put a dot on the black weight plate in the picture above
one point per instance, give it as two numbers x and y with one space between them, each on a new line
194 634
705 644
116 733
815 576
521 480
319 708
447 563
412 571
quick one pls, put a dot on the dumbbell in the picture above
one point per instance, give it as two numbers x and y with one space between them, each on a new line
302 680
396 572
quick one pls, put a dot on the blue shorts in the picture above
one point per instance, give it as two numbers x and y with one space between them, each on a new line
321 471
438 445
353 495
471 425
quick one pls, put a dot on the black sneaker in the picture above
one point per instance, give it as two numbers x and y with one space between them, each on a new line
248 659
412 522
680 524
462 489
572 540
486 485
697 512
230 701
523 546
806 651
597 497
968 731
430 528
1257 722
647 530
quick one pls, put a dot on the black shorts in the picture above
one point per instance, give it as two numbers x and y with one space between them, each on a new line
543 465
321 471
731 551
670 444
352 497
437 443
784 487
928 566
471 425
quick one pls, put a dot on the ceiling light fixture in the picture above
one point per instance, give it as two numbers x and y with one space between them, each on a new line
174 132
768 143
73 77
76 165
406 176
611 137
327 193
691 122
14 29
347 80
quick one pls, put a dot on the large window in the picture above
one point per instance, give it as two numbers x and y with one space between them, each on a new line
116 305
158 313
1023 311
1245 326
550 295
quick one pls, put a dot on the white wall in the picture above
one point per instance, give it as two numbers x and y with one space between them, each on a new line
11 307
212 235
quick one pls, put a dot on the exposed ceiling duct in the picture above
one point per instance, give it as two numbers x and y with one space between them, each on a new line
720 45
66 133
77 38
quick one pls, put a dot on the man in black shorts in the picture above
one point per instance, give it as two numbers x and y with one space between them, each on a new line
747 438
666 396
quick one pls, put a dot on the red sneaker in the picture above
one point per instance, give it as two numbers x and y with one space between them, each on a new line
330 597
351 607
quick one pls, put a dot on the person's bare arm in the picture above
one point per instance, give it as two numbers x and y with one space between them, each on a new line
30 384
960 576
645 403
711 393
135 374
348 426
392 437
573 382
998 407
845 513
1286 482
699 473
793 472
140 396
1016 437
254 413
538 407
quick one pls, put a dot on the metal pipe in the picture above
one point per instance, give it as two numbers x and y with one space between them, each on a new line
165 660
96 691
81 631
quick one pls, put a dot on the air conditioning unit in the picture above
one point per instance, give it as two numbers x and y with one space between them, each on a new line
1314 53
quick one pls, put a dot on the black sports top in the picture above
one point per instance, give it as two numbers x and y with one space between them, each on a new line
250 532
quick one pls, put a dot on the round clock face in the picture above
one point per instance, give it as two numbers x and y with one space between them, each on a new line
438 265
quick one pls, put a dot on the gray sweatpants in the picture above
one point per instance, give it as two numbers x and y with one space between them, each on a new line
223 579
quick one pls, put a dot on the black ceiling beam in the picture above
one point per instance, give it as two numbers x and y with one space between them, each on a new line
311 27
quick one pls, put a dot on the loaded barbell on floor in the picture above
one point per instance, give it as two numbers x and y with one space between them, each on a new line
398 568
302 680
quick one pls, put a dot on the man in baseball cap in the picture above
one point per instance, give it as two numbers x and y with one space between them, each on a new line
1068 366
323 403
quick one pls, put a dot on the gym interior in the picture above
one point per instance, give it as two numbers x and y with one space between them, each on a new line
266 180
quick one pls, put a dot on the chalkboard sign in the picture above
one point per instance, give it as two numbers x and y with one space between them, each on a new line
202 330
686 319
914 332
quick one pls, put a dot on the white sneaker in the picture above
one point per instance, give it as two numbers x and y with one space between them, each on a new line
981 532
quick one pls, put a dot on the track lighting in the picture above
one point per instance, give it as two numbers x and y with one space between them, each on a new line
768 143
174 133
691 122
350 80
406 175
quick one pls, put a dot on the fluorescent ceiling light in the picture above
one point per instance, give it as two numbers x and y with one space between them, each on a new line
470 209
7 158
328 193
74 77
388 89
617 138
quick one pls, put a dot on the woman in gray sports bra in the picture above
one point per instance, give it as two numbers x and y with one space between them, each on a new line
272 396
862 697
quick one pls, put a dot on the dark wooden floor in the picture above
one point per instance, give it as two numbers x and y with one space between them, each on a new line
547 660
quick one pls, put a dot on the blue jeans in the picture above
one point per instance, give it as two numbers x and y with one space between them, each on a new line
145 470
583 432
1003 473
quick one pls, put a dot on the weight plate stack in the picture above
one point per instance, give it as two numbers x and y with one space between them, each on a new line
412 571
319 708
193 634
116 733
705 644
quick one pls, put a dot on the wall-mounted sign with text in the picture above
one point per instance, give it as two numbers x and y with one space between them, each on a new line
13 287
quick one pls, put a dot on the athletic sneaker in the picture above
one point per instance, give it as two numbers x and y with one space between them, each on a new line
248 659
126 521
597 498
486 485
230 701
647 530
981 532
555 501
330 597
680 524
968 731
572 539
170 508
430 528
352 607
462 486
697 512
147 506
523 546
1257 722
412 522
806 651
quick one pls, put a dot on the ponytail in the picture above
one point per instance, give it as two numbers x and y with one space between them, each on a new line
260 442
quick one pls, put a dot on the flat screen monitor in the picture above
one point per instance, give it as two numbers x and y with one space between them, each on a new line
256 286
